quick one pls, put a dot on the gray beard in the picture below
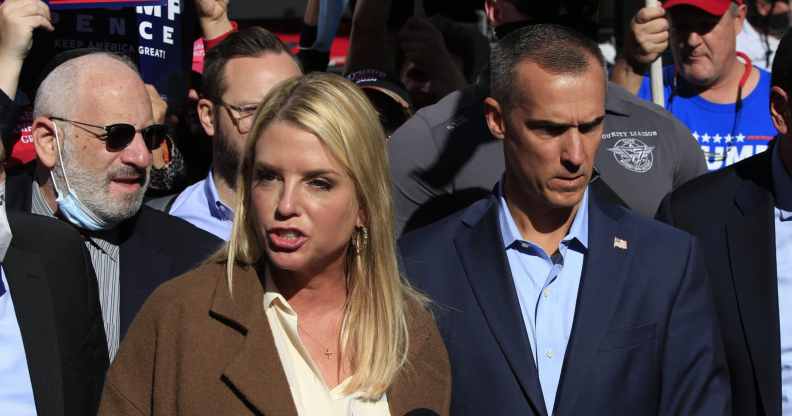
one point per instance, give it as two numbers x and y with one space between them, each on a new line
93 192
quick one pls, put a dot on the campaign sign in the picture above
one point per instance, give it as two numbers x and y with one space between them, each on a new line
95 4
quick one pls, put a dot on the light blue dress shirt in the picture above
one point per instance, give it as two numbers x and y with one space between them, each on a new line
782 182
547 289
16 391
200 205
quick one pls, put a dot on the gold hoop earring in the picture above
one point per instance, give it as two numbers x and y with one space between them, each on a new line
360 240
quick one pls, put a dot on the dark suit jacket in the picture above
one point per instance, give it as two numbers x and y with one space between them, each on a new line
153 246
644 339
731 213
195 350
57 307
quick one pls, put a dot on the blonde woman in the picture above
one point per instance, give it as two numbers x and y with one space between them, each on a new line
307 314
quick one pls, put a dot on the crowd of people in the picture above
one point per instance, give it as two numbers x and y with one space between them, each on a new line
459 221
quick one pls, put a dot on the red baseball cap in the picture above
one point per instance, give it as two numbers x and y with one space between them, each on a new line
713 7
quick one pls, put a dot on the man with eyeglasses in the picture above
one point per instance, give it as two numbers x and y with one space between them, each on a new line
238 73
93 133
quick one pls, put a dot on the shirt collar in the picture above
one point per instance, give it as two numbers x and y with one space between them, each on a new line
616 101
782 184
104 241
217 207
510 233
273 297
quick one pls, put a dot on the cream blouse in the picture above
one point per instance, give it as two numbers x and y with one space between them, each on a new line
310 393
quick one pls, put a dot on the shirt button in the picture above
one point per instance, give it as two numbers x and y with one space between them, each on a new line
549 353
546 292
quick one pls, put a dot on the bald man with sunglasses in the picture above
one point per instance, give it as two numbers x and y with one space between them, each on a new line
94 132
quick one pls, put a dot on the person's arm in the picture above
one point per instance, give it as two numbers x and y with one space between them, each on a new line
213 18
411 151
695 379
18 20
367 47
646 40
423 44
312 60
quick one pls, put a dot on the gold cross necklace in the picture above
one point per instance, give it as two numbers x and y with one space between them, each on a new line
327 352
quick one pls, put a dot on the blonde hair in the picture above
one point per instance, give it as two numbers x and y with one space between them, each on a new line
374 331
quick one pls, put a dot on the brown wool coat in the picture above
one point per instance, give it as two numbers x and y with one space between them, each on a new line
193 350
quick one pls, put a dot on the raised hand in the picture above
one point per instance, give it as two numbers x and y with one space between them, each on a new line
18 20
213 17
648 36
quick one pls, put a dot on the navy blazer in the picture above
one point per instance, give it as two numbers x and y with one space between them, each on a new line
644 340
731 212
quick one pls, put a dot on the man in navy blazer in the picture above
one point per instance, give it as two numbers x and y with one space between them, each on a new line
551 298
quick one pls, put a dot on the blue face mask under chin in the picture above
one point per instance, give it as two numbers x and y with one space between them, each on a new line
70 207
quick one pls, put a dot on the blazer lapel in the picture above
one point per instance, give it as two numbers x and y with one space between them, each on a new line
31 297
751 239
481 252
604 273
255 373
139 271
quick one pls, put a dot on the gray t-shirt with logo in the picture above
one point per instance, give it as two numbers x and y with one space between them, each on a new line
444 157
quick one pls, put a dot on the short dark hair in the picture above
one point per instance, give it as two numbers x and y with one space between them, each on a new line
556 49
782 64
249 42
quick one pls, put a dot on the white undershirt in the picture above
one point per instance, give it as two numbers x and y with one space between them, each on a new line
16 391
311 394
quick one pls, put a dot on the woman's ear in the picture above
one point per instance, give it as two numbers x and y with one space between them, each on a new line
44 135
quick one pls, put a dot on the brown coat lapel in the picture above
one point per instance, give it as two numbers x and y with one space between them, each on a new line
195 349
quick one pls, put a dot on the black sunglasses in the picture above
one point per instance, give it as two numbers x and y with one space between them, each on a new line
118 136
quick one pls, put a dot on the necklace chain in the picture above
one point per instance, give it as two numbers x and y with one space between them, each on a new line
327 352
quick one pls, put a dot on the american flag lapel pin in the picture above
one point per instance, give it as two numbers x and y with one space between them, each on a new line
619 243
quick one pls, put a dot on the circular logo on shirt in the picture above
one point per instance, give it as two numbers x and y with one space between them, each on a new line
633 154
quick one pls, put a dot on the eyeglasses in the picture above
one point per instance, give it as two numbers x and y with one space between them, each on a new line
243 121
118 136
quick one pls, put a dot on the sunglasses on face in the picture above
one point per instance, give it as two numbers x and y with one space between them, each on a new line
118 136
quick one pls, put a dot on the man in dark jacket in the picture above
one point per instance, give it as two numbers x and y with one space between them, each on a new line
741 214
93 135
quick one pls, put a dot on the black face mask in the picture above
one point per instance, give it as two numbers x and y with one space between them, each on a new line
777 24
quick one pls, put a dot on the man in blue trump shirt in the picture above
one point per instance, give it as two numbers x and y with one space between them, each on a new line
551 298
743 218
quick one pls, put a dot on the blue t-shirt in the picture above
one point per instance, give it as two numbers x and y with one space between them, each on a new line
725 137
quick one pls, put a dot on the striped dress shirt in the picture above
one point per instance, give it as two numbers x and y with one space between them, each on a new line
104 257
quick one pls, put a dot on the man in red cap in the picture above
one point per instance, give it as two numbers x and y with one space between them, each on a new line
712 88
